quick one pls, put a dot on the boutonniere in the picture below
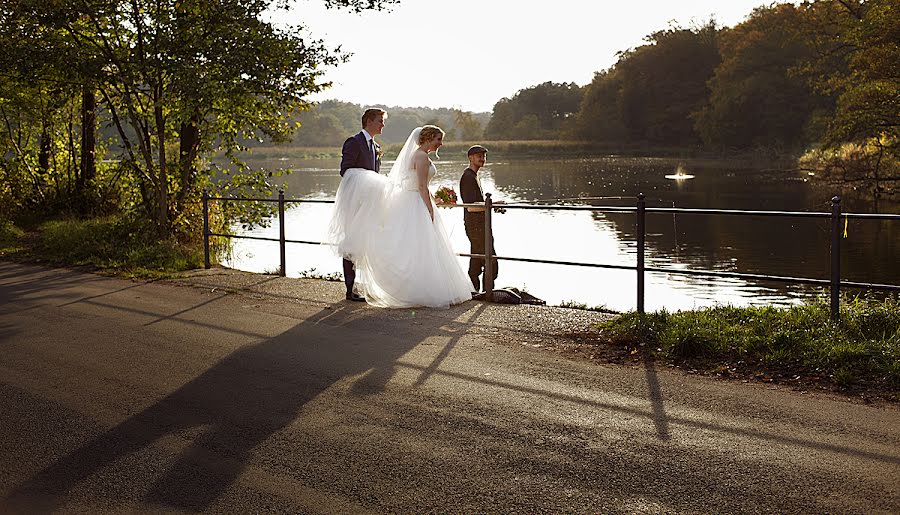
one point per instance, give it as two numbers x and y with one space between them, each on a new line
379 153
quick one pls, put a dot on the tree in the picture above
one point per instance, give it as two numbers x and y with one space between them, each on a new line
858 60
180 79
648 96
469 127
758 97
600 116
545 111
664 82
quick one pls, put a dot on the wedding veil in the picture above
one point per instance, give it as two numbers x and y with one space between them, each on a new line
405 159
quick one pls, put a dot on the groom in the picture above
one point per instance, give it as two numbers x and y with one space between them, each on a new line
362 151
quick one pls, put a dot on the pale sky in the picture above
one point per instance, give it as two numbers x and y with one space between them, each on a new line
469 54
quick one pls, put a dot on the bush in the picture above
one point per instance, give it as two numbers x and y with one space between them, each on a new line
115 243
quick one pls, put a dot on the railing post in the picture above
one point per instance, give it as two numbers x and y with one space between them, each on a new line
488 248
206 228
835 258
281 243
641 205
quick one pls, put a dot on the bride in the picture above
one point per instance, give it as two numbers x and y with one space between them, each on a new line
389 228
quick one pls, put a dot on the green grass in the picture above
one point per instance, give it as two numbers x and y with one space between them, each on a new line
112 244
571 304
11 238
863 348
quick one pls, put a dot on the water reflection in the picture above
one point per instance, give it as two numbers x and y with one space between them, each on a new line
762 245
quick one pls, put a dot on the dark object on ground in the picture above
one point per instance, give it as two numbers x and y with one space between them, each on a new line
355 297
509 296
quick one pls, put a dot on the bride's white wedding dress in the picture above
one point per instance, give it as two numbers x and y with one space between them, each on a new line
402 258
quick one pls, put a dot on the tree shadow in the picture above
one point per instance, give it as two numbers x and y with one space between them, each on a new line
237 404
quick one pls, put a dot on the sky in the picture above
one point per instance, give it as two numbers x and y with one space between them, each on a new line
468 54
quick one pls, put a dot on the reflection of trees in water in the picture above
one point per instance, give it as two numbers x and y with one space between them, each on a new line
765 245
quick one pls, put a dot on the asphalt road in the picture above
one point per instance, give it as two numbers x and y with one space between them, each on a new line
120 396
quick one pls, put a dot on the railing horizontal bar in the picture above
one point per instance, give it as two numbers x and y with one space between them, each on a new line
309 201
245 199
871 216
874 286
307 242
800 214
616 209
557 207
243 237
569 263
738 275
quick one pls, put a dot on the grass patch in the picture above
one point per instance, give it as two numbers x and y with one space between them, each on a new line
113 244
571 304
862 350
11 238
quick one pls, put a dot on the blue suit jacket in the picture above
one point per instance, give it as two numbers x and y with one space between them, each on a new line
356 154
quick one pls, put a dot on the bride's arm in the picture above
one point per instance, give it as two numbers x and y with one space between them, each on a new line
422 166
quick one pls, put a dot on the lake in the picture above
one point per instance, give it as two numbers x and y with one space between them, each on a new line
760 245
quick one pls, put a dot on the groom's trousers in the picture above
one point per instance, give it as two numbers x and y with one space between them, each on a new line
475 232
349 275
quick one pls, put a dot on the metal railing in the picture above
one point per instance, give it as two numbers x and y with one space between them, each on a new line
640 210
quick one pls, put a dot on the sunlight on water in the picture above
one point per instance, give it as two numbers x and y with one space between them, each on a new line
587 237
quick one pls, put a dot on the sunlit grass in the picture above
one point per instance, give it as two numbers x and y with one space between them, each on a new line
863 347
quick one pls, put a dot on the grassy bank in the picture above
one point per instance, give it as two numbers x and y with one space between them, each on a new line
800 344
111 244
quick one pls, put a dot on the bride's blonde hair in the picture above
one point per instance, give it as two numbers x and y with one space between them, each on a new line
428 133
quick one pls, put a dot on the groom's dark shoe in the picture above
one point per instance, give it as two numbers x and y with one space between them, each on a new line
355 297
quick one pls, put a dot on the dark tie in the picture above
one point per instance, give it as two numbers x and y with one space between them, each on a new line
372 149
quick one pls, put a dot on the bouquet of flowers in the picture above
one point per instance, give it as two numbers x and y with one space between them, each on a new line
445 195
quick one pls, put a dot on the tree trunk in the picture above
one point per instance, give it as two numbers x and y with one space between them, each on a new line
88 138
189 144
44 153
162 214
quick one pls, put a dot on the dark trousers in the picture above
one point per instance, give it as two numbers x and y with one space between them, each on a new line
349 275
475 232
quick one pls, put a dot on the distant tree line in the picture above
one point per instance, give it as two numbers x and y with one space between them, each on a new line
822 76
328 123
786 77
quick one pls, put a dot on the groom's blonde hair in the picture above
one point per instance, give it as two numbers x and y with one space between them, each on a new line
428 133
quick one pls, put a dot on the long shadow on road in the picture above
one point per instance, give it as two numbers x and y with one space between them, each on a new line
239 402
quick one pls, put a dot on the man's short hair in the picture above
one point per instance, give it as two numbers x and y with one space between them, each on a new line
370 115
476 149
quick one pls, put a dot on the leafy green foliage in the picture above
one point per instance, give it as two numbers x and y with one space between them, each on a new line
651 92
177 80
545 111
758 98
